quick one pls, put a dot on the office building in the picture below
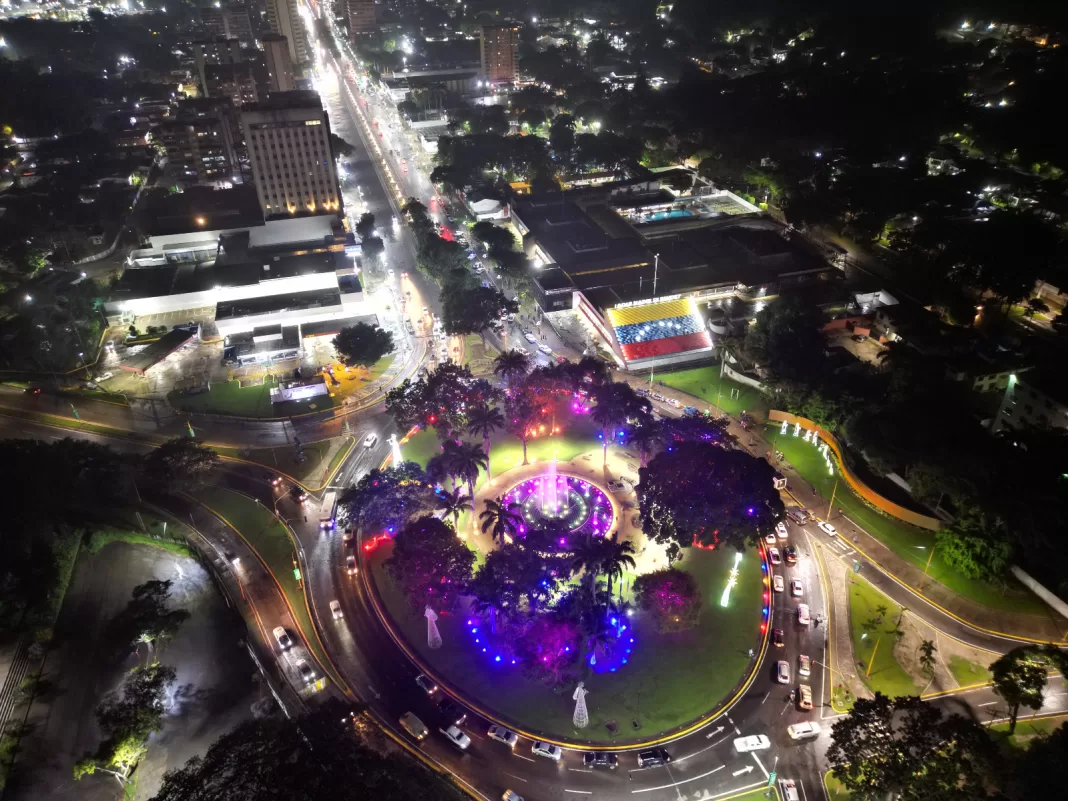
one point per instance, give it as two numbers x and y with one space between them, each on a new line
500 52
283 18
288 141
202 143
280 77
362 19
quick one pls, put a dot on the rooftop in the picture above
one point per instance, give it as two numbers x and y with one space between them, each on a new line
202 209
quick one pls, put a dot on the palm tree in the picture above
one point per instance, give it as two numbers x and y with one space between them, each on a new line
452 504
511 365
500 519
464 460
589 556
483 420
616 558
645 438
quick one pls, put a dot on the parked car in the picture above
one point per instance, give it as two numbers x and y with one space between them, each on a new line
653 757
547 750
282 636
754 742
502 735
456 737
424 683
335 610
600 759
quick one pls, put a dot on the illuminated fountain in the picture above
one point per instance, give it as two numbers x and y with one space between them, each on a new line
560 502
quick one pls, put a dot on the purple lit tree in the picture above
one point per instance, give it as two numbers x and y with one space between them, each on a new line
549 649
671 596
430 564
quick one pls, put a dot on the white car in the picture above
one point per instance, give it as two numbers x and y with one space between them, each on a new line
282 636
782 672
789 790
827 528
754 742
511 795
502 735
426 684
804 665
774 556
104 376
350 565
547 750
803 731
521 349
370 440
802 614
306 671
456 737
770 538
778 583
529 337
335 610
780 530
797 589
546 350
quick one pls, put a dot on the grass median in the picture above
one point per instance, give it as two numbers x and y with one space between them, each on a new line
873 620
268 537
908 542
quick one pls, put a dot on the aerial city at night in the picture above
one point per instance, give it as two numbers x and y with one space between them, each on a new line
533 400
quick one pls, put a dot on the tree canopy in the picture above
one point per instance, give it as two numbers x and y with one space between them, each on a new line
430 564
387 499
362 344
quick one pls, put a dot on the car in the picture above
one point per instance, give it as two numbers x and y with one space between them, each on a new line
770 538
335 610
797 589
773 555
306 671
511 795
502 735
452 712
789 790
618 487
782 672
350 565
546 350
805 696
754 742
276 481
859 338
479 269
827 528
547 750
32 390
415 727
561 360
600 759
282 636
521 349
653 757
778 637
370 440
529 337
798 515
426 684
778 583
780 531
298 494
805 730
790 554
804 665
802 614
104 376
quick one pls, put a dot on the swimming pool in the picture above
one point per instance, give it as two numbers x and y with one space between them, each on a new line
674 214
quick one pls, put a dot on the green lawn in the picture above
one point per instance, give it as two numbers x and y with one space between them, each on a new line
269 538
229 397
706 384
967 672
835 790
908 542
886 675
670 679
1027 729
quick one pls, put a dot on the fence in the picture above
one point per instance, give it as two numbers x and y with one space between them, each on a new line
858 486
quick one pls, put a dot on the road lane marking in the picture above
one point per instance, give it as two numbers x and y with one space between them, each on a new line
581 770
736 729
579 792
514 776
695 753
518 756
759 764
766 697
988 703
676 784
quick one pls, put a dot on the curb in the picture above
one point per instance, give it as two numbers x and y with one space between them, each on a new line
688 728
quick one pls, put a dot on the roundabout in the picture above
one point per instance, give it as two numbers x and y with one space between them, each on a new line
645 681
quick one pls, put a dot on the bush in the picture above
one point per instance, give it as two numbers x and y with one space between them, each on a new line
671 596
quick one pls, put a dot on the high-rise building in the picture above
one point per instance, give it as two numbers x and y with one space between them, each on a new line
288 141
283 18
236 81
362 19
500 51
203 143
219 50
280 76
229 21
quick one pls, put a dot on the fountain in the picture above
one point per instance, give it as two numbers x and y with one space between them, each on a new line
563 502
550 501
395 450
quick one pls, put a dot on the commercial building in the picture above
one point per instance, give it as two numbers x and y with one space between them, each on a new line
362 17
288 141
217 50
283 18
203 143
239 82
500 52
280 74
230 21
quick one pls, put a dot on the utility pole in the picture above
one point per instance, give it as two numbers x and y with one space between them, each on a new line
656 271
